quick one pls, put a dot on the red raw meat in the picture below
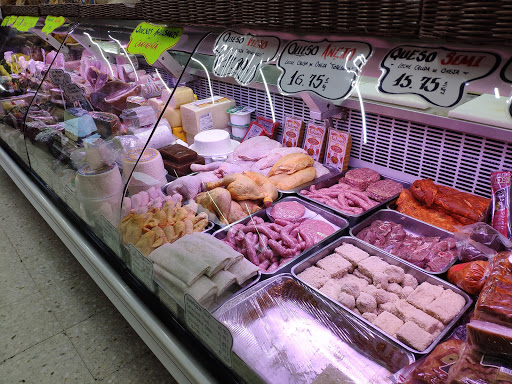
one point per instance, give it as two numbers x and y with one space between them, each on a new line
289 211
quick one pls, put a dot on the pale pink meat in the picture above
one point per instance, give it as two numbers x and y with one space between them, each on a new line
288 210
315 231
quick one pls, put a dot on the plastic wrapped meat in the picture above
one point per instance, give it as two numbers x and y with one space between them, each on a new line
98 98
96 78
118 98
469 277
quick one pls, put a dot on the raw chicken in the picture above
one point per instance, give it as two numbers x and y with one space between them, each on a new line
320 169
239 186
290 164
286 182
236 212
186 186
217 201
269 190
255 148
227 168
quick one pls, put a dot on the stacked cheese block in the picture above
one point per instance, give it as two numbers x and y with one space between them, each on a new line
385 295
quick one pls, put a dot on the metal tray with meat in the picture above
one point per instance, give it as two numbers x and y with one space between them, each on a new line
367 193
392 297
332 172
275 240
426 246
286 333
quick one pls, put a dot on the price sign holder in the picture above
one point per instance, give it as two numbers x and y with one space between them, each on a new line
111 236
51 23
142 267
438 75
241 55
210 330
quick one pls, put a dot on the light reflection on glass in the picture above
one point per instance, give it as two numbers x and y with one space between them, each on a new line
496 92
162 80
208 76
357 72
127 56
269 97
101 53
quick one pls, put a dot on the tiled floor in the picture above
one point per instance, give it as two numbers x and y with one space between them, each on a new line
56 325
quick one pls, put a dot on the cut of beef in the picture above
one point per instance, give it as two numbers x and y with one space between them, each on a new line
384 189
361 177
288 210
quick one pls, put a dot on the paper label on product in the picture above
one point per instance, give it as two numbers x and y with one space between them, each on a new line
291 131
254 130
329 69
241 55
438 75
210 330
205 122
210 101
141 267
51 23
111 235
27 23
314 141
9 20
153 40
337 142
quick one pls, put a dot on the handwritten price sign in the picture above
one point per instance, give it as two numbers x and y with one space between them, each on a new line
328 68
439 75
51 23
27 23
9 20
153 40
18 22
240 56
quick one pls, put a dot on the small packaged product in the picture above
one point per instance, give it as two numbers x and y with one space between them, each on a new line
338 149
501 201
293 132
269 125
470 277
314 143
254 130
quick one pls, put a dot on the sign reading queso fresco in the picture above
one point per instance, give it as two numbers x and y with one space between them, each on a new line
153 40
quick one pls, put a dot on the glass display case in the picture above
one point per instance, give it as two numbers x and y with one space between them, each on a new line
198 158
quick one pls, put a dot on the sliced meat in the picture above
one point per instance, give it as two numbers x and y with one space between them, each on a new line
361 177
289 211
316 230
384 189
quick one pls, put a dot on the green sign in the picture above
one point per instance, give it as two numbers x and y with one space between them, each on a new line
27 23
52 23
18 22
8 20
152 40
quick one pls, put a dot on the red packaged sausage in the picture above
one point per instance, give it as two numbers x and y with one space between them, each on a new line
501 213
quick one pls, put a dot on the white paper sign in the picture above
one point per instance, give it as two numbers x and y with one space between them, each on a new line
141 267
240 56
111 235
210 330
439 75
57 76
506 71
328 68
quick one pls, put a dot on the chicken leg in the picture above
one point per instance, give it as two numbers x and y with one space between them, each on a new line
239 186
269 190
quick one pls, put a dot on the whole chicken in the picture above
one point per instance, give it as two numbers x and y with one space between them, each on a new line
269 190
239 186
218 201
291 163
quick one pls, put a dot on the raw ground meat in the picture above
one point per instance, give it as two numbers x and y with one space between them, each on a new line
288 210
384 189
361 177
317 230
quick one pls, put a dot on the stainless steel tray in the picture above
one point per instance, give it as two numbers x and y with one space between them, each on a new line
352 219
230 293
418 273
332 172
331 217
411 225
282 302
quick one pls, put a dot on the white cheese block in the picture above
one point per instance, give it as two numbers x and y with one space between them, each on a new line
157 104
182 95
98 183
204 114
173 116
149 170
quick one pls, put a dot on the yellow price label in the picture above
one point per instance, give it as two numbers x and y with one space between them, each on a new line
51 23
27 23
9 20
152 40
18 22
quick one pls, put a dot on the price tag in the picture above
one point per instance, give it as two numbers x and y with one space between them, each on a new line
51 23
152 40
210 330
57 76
27 23
329 69
111 235
240 56
141 267
506 71
73 92
18 22
9 20
439 75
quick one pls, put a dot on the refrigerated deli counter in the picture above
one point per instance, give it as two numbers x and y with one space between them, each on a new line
276 207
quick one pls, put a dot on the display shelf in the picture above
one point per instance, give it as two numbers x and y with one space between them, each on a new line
184 366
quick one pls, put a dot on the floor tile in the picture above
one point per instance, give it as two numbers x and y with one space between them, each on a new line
75 300
15 282
26 323
7 252
106 342
144 370
55 360
52 265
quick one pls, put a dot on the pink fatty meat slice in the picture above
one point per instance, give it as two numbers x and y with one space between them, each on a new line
288 210
316 229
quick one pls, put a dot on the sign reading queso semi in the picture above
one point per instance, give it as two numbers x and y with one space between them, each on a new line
153 40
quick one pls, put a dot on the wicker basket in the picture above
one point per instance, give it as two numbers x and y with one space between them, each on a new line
471 22
189 12
69 10
22 10
111 11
